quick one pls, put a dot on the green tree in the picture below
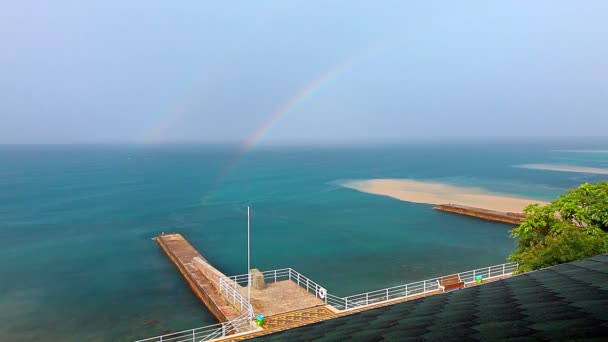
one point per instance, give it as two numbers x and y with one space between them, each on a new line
572 227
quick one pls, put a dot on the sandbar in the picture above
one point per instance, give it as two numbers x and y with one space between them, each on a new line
565 168
439 193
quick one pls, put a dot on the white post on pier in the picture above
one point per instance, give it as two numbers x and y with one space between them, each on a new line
248 259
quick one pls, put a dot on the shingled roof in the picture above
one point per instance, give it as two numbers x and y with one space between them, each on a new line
565 302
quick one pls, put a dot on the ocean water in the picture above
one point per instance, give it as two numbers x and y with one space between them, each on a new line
78 263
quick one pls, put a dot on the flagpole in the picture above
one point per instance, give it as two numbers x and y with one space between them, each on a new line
248 259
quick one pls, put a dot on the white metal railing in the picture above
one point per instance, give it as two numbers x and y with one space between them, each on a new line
488 272
385 295
281 275
308 284
240 324
232 295
269 276
229 288
378 296
412 289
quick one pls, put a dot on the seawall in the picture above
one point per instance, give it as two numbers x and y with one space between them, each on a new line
484 214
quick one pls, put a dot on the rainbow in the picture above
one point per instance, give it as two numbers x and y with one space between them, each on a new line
156 135
287 107
293 102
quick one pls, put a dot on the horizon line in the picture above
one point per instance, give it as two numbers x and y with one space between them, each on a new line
309 142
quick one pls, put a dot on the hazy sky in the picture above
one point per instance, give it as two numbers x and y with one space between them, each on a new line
155 71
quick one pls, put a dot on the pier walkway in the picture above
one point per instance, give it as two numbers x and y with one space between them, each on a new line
286 298
184 256
281 297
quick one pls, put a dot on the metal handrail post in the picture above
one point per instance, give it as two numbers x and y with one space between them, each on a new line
367 298
193 336
387 295
275 276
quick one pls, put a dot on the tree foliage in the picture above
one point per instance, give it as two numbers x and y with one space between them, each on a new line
572 227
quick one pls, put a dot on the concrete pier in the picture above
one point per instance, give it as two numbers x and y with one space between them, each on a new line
199 274
281 297
285 298
274 298
484 214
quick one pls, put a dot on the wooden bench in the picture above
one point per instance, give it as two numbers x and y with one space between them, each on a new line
451 282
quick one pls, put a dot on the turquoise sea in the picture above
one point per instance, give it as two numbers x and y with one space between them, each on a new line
78 263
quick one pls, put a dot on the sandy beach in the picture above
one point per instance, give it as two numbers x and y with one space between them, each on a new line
438 193
564 168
